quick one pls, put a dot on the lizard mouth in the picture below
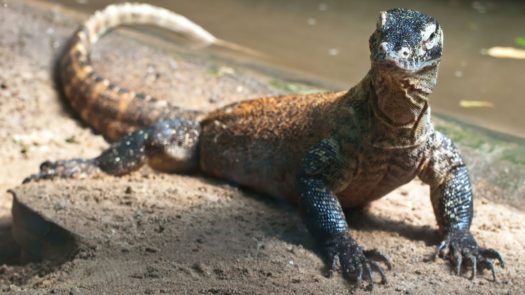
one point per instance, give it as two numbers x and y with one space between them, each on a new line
412 65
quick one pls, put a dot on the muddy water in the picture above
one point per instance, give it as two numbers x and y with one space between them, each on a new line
328 39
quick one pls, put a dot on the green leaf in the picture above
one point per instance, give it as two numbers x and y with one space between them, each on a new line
520 41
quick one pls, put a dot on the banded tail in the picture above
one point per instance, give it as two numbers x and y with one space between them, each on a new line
109 109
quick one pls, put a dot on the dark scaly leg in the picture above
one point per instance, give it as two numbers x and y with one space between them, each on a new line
454 210
167 146
325 219
452 200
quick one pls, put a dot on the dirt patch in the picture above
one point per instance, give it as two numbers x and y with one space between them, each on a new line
156 233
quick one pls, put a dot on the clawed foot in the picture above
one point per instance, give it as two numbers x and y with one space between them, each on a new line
76 168
464 251
355 262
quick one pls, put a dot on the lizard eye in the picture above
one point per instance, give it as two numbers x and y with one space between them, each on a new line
431 41
428 33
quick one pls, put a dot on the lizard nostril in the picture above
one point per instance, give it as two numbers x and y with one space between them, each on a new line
405 52
383 47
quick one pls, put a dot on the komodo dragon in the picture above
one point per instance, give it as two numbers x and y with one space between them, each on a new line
324 151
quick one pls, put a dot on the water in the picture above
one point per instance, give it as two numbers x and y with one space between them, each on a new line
329 40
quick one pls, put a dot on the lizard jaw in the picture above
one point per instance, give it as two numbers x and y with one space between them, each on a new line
412 66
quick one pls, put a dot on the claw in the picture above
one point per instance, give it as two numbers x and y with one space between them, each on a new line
489 265
474 262
463 250
74 168
45 165
377 268
333 265
491 253
458 260
369 275
440 248
356 264
359 279
378 256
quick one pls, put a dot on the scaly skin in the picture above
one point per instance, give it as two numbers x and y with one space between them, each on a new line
112 110
322 151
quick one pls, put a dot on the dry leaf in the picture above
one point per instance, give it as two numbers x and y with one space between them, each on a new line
475 104
505 52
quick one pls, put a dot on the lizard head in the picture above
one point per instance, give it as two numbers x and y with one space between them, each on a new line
406 40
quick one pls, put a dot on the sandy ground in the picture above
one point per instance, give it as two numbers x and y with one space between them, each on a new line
151 233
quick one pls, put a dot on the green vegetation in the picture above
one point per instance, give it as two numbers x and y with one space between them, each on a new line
516 156
520 41
483 142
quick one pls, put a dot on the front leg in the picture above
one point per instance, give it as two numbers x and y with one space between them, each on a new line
167 146
452 200
324 216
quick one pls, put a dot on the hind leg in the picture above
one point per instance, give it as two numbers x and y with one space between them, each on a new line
169 146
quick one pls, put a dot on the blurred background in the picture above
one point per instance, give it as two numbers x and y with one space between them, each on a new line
327 42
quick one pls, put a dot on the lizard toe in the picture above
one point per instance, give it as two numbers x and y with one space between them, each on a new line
357 265
464 252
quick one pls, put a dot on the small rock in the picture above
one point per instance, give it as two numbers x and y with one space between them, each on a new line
159 229
151 250
201 268
152 272
137 276
59 205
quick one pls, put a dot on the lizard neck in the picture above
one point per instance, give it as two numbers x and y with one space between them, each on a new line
399 106
400 98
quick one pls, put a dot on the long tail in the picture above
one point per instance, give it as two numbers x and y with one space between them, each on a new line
111 110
